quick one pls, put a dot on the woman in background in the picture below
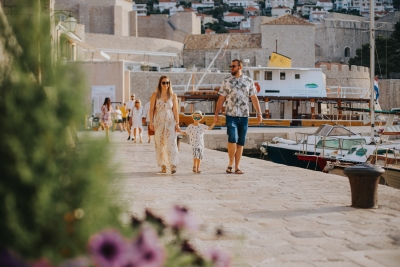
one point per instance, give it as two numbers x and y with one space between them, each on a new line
106 120
136 115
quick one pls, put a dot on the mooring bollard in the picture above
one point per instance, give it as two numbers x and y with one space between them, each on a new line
364 179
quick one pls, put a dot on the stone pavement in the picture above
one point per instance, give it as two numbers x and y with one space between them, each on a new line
273 215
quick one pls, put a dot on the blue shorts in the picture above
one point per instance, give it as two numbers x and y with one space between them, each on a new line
237 129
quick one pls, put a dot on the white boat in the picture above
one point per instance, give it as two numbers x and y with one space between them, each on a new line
327 140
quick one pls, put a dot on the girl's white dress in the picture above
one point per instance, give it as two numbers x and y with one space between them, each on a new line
137 117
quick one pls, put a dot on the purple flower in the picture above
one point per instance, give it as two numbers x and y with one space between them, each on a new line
180 218
10 260
146 250
108 248
219 257
42 263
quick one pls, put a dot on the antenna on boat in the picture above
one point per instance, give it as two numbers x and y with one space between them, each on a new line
372 66
276 45
212 62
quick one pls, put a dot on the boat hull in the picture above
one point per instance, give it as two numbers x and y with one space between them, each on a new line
392 177
287 156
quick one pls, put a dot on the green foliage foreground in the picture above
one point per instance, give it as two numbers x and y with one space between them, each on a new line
52 198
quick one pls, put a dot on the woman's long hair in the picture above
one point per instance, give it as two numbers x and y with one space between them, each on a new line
107 103
159 87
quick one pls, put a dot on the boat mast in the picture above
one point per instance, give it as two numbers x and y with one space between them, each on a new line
372 64
212 62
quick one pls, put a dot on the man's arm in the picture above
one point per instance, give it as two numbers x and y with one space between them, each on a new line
220 103
256 105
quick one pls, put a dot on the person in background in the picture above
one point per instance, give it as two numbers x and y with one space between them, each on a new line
129 107
118 118
136 115
106 120
196 135
164 120
146 114
124 115
236 91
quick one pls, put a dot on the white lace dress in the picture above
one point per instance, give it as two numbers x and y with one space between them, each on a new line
165 135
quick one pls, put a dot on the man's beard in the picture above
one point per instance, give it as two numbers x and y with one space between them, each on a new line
234 72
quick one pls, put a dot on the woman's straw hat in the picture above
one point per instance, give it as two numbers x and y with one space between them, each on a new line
198 112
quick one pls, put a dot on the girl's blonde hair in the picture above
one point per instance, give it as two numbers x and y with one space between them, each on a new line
159 87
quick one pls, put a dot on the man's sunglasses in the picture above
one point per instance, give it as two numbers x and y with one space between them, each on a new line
232 66
165 83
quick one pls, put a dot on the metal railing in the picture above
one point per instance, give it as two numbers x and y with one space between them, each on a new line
349 92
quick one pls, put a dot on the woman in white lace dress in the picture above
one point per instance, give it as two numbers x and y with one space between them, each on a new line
164 120
136 115
106 120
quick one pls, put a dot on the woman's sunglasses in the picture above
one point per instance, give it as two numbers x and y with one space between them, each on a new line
165 83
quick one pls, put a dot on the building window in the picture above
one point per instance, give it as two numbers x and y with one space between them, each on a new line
256 75
347 52
297 76
268 76
283 76
61 17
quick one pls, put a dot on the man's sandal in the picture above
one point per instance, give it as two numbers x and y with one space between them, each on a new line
238 171
229 170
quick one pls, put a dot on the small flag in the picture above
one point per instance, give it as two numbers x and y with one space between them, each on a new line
376 88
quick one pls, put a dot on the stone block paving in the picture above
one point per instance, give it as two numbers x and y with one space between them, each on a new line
273 215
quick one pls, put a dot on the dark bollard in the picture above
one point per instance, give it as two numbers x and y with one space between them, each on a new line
364 179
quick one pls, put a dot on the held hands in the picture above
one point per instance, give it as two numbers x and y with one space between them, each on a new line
152 126
216 118
259 117
177 128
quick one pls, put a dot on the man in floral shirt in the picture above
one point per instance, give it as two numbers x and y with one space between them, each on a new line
236 91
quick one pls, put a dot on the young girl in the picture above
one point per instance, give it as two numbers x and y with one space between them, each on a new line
136 115
196 135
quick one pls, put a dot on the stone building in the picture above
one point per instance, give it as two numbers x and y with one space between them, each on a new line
295 40
339 36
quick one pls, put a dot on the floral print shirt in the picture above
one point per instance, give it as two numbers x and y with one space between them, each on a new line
237 92
196 135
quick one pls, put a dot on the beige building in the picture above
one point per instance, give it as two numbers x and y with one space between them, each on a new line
295 39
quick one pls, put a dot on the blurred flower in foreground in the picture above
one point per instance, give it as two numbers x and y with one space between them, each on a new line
147 251
180 218
42 263
78 262
107 249
219 257
9 260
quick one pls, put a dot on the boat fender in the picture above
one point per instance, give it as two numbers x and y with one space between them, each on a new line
284 141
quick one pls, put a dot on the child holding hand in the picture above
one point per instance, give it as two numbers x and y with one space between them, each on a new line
196 135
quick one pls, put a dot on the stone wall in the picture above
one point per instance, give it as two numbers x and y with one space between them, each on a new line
389 91
333 36
294 41
171 28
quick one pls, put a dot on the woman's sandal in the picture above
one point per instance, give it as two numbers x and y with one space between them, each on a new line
198 171
229 170
194 169
163 169
173 169
238 171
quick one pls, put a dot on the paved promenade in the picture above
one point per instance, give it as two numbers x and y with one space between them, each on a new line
273 215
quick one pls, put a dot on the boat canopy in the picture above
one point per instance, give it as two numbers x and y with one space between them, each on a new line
333 130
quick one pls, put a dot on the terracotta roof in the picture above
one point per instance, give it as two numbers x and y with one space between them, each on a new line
287 20
233 14
251 8
208 31
215 41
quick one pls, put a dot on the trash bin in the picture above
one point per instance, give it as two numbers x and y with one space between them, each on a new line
95 123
